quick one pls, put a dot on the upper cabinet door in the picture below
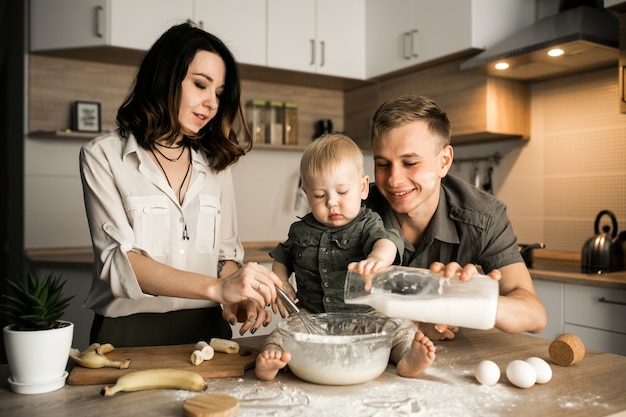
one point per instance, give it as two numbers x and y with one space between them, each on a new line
321 36
137 24
413 32
133 24
240 24
388 29
291 42
67 24
341 38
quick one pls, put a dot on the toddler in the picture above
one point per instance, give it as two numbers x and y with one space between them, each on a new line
338 234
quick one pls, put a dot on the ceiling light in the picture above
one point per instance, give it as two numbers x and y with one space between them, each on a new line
556 52
502 66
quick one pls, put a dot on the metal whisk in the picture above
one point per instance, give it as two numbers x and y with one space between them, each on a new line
309 326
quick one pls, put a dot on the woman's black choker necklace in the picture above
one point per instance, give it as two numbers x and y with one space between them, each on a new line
182 151
162 145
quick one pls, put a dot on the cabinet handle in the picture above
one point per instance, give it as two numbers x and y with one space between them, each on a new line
623 71
406 45
323 53
604 300
414 32
99 10
312 52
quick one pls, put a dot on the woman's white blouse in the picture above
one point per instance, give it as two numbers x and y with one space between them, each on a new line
130 206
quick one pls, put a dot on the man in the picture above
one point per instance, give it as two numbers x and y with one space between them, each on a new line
448 225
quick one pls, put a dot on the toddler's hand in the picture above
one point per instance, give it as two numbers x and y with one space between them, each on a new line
367 266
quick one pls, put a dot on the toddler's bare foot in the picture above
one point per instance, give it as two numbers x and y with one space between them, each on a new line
269 362
418 358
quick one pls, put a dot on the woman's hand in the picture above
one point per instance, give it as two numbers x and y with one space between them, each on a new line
249 314
278 307
252 282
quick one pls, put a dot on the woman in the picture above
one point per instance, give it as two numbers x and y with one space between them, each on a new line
160 204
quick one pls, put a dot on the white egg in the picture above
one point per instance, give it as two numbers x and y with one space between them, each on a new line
521 374
542 369
487 373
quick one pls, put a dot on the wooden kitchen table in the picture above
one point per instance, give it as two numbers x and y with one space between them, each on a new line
596 386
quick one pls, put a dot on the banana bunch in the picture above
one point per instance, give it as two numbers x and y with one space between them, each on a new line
157 379
93 357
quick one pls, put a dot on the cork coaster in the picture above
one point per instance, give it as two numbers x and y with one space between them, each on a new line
566 350
210 405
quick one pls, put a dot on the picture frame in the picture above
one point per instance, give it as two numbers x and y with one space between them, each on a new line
86 116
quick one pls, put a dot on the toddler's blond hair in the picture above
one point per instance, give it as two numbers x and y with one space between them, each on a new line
324 154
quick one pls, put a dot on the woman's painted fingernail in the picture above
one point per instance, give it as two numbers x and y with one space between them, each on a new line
252 331
284 287
267 323
251 319
232 321
242 332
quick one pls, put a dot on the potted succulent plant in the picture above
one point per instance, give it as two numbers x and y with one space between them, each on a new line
37 342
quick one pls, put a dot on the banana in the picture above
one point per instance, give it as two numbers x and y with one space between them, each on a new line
207 351
197 357
157 379
91 358
223 345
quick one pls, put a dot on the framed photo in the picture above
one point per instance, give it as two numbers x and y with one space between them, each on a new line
86 117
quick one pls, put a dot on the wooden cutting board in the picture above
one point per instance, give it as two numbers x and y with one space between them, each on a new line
221 366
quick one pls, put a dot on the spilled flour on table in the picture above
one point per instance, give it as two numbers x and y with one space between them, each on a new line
443 390
447 388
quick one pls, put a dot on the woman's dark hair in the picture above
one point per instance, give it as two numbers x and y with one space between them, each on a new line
150 111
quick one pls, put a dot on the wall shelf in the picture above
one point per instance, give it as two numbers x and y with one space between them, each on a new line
69 134
63 134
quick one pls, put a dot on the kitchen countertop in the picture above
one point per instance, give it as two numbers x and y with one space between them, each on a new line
83 255
593 387
550 265
561 266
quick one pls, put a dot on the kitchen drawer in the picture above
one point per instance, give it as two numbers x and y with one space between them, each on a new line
599 339
599 308
551 296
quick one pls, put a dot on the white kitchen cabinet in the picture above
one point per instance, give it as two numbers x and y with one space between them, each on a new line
551 296
405 33
132 24
319 36
240 24
594 314
598 313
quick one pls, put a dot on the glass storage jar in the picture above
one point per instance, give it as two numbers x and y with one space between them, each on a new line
257 117
291 124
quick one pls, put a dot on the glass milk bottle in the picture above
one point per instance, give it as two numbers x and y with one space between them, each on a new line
420 295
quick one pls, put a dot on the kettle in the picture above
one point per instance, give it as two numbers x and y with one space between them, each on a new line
604 252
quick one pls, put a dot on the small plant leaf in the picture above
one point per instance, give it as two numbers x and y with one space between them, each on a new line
36 304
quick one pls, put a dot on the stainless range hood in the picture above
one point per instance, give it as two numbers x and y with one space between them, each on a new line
588 37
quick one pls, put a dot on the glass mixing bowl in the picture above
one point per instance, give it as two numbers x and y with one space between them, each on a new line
355 348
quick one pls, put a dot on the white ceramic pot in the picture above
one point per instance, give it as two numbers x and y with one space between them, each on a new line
38 357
